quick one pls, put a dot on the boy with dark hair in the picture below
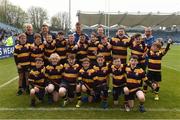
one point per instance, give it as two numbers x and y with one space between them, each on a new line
155 55
135 76
101 80
36 49
21 57
50 48
61 46
69 81
37 81
85 81
118 78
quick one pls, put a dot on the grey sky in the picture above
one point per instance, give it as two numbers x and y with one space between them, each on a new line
54 6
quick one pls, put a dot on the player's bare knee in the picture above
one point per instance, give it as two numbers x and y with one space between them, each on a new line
62 91
84 89
50 88
140 96
32 92
126 91
78 88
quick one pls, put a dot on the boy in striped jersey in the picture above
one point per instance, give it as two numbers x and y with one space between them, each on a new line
36 49
70 74
138 48
49 48
119 78
37 81
155 55
61 46
120 43
53 75
135 76
21 57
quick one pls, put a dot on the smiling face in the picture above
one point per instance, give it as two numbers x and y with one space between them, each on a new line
37 40
121 32
133 62
100 60
117 62
23 39
39 63
71 61
86 64
49 38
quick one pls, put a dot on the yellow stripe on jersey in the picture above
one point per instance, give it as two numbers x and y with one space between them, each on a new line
36 55
119 77
49 51
136 52
91 57
133 81
82 52
155 61
92 48
87 80
145 78
119 48
120 56
100 78
106 53
25 63
54 76
69 75
39 81
23 55
142 61
60 49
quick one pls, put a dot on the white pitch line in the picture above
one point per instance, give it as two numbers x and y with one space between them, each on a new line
88 109
172 68
8 82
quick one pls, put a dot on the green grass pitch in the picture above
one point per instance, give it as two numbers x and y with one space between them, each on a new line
12 106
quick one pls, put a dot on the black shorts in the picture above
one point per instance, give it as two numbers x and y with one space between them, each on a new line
101 90
40 94
24 69
71 88
117 91
132 95
154 76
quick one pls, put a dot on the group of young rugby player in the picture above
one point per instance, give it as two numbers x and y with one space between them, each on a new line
70 68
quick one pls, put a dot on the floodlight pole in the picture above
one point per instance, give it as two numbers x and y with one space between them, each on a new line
69 14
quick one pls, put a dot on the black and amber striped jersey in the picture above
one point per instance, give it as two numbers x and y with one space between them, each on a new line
135 77
69 48
49 49
92 50
118 75
22 55
82 51
155 58
54 73
101 73
87 76
105 51
37 77
138 50
61 48
70 73
36 51
119 47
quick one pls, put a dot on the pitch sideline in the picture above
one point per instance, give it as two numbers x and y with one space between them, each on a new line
87 109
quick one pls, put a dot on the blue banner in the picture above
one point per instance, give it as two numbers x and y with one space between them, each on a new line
6 51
